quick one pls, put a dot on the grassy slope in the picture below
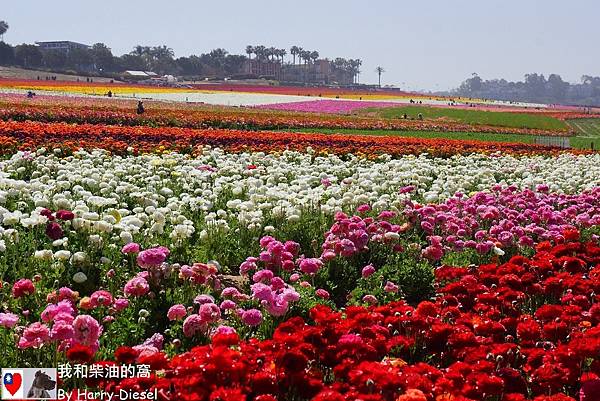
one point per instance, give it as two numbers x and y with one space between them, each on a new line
496 118
588 132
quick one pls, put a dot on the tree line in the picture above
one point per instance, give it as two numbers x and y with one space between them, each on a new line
160 59
534 88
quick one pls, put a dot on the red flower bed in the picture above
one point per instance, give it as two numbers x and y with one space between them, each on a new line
32 135
524 329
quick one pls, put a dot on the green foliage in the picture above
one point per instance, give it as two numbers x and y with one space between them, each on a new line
475 117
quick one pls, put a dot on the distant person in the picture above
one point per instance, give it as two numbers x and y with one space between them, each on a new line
140 107
30 94
109 94
420 116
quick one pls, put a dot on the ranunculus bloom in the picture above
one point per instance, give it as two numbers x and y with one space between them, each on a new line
152 257
65 215
176 312
35 335
8 320
252 317
193 325
23 287
137 287
132 247
54 231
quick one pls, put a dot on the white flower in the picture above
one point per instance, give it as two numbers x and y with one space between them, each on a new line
79 277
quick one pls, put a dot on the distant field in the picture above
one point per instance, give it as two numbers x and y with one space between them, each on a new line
588 133
481 117
577 142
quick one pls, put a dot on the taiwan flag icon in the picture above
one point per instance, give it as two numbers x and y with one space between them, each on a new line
12 384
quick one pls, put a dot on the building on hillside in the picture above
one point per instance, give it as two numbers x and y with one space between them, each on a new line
262 69
321 71
64 46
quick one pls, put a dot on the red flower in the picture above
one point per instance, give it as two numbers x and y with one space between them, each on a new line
293 361
80 353
23 287
126 354
54 231
65 215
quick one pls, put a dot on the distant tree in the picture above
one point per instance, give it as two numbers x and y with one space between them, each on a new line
314 55
190 65
536 86
103 57
294 50
80 59
260 51
233 63
249 51
7 54
281 54
557 88
55 59
379 70
132 62
28 56
3 28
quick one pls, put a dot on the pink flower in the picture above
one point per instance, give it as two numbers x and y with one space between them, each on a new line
62 330
363 208
369 299
209 312
228 304
310 265
87 331
176 312
321 293
252 317
35 335
8 320
137 287
152 257
391 287
101 298
367 271
193 325
132 247
121 304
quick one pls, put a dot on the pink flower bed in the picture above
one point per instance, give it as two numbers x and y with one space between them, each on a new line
327 106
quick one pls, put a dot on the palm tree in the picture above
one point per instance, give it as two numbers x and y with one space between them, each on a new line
379 70
294 50
357 63
282 53
3 29
260 51
314 55
249 51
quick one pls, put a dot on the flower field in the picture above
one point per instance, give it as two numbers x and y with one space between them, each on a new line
250 265
83 110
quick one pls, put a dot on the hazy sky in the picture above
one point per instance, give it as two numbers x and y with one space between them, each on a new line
422 44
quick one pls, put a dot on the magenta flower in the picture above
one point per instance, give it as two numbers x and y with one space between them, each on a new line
8 320
252 317
130 248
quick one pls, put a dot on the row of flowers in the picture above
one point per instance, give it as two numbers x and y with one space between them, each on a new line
526 328
122 112
27 135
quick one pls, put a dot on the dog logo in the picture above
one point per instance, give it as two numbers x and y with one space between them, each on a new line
41 386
